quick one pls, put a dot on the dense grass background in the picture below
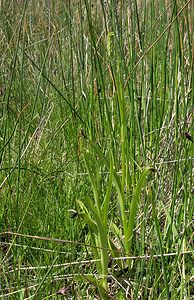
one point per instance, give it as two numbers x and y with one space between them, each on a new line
75 75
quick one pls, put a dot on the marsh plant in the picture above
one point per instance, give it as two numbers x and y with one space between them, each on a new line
96 149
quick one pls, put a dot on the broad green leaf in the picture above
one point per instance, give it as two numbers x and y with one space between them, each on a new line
84 214
90 163
95 281
134 205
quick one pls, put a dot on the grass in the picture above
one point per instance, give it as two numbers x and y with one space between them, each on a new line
96 149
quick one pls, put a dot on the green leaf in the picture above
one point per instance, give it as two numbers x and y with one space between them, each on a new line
90 163
108 194
84 214
96 282
134 205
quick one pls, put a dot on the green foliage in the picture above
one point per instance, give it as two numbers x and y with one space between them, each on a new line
94 96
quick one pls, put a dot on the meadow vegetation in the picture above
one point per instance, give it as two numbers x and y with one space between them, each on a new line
96 149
